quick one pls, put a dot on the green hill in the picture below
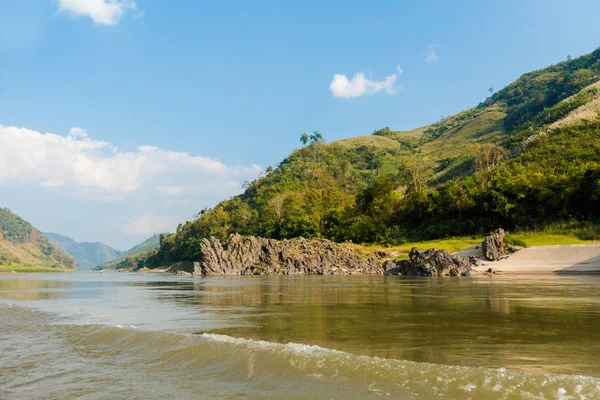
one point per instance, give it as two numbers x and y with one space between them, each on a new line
87 255
147 245
527 156
22 244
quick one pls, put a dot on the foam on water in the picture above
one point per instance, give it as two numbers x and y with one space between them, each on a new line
124 348
125 362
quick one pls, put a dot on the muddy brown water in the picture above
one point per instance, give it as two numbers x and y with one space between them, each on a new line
154 336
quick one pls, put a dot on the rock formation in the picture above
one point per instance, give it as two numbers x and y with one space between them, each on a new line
248 255
493 246
432 262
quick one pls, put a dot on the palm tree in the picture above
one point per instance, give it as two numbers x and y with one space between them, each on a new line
317 137
304 139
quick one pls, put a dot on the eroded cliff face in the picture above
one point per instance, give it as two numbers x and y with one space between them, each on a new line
249 255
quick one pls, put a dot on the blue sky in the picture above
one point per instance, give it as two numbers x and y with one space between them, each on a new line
216 90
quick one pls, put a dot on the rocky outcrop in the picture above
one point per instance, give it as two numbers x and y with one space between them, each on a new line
495 248
432 262
248 255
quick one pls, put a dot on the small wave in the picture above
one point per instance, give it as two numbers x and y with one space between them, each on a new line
258 368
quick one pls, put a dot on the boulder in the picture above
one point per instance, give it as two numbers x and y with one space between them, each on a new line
493 246
431 262
184 273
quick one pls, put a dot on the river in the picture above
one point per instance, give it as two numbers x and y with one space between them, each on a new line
155 336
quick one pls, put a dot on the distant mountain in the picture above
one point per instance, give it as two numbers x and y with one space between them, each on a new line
86 254
22 244
146 246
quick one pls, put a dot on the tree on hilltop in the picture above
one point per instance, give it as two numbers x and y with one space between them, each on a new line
304 139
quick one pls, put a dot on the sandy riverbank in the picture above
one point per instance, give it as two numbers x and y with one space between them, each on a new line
561 259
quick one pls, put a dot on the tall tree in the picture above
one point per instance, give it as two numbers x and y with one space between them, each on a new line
304 139
419 169
317 137
487 159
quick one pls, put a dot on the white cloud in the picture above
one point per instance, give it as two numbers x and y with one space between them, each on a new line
149 224
185 190
107 12
358 86
78 132
399 69
431 55
97 169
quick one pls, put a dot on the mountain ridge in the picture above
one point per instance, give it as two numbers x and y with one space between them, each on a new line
86 254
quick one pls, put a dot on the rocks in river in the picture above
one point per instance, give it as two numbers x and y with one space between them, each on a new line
249 255
432 262
493 245
184 273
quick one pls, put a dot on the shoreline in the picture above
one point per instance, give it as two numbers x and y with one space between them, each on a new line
568 259
562 259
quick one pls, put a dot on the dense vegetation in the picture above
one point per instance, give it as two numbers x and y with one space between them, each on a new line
21 243
525 157
86 254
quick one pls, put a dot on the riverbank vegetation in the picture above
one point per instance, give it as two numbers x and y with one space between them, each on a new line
29 268
555 234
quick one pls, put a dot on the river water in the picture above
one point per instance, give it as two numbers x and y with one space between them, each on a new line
154 336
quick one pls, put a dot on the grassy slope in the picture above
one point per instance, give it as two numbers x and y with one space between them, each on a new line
376 142
22 244
484 128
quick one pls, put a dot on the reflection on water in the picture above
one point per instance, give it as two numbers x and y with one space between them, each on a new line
117 335
529 323
539 323
27 289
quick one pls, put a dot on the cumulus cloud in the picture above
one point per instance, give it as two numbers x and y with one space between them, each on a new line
359 85
100 170
225 187
149 224
106 12
78 132
431 55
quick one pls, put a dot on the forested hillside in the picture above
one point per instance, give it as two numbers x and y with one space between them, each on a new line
86 254
22 244
526 156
